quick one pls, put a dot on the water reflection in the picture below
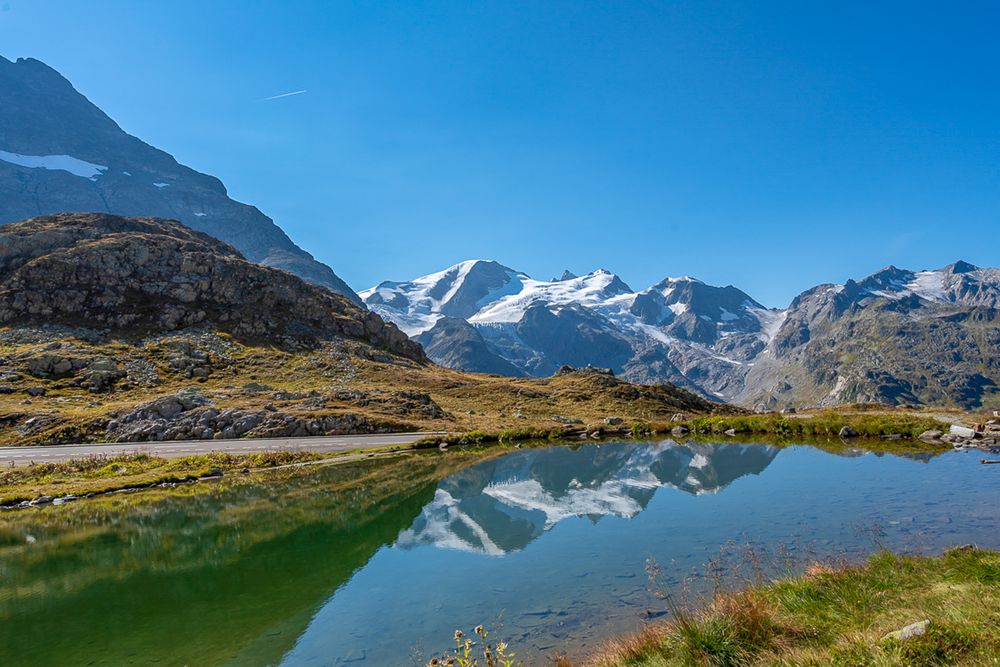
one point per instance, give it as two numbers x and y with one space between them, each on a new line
500 506
373 562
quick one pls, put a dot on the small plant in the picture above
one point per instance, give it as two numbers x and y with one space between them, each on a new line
466 651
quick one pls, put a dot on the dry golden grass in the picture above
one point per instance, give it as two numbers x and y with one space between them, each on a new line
471 401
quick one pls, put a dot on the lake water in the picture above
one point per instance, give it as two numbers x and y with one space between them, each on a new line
377 563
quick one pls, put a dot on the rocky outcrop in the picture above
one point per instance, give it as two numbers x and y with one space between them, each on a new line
140 275
191 416
60 153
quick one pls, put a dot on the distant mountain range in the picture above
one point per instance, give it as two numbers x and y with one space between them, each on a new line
895 337
59 154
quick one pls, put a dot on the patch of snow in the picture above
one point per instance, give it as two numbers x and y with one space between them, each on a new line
67 163
728 316
770 321
594 290
678 308
929 285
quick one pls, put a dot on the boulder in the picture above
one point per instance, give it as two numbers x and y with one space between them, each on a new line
962 431
931 435
848 432
679 431
613 421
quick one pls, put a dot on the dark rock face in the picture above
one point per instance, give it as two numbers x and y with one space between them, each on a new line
145 274
455 343
45 121
573 335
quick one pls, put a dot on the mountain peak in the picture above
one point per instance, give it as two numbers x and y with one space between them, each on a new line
566 275
961 266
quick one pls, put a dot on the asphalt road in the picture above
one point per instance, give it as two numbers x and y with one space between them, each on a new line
179 448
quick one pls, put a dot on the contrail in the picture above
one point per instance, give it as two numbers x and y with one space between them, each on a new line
278 97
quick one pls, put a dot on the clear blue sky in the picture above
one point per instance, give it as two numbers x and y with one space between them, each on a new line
771 145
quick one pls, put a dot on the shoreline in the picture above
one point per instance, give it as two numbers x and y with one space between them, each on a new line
38 484
891 609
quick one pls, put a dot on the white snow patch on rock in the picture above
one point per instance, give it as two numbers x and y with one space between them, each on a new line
68 163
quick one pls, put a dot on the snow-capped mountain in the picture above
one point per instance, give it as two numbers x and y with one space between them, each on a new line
480 315
897 336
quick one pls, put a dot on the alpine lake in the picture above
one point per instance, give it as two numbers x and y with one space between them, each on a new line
379 561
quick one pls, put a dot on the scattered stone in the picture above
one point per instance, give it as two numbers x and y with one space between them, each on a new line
256 387
912 630
679 417
35 391
141 373
567 420
788 411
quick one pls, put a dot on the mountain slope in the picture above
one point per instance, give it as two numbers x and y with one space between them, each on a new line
60 153
896 337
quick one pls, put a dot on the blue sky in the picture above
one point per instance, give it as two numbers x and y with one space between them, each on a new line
769 145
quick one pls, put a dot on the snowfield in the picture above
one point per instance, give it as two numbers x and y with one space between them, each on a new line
67 163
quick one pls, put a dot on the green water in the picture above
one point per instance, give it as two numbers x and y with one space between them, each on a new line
378 563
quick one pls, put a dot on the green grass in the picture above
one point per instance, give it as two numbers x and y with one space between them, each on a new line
828 423
838 617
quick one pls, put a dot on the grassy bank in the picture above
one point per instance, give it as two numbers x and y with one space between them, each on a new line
838 616
888 426
828 423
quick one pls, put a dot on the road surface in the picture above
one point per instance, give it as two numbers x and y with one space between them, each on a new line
176 449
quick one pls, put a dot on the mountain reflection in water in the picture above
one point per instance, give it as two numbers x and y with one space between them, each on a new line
500 506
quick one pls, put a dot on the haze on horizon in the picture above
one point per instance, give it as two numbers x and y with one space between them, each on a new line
772 148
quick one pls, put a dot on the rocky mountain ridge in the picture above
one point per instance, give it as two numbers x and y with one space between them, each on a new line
895 337
130 276
59 153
